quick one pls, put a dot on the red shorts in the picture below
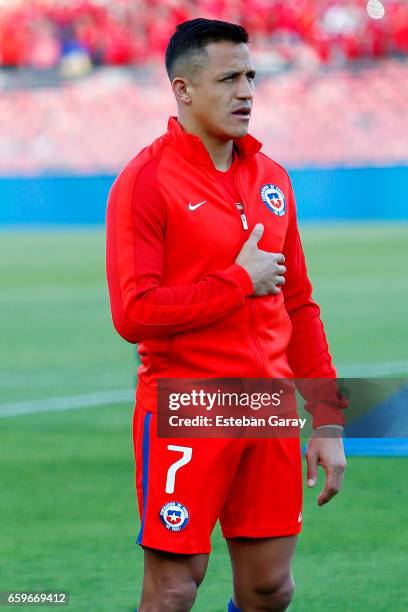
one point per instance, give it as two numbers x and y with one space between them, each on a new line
253 486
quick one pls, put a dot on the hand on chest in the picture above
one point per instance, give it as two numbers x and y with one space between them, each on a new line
210 217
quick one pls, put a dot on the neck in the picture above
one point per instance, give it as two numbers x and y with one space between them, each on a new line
220 151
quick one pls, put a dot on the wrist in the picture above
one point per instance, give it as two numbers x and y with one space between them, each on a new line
332 430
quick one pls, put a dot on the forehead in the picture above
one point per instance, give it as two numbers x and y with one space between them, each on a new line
228 56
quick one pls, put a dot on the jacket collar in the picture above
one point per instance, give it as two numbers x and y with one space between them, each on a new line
192 147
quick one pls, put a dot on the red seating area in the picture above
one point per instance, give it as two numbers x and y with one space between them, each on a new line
46 33
330 118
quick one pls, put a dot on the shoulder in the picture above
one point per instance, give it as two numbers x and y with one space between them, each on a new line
277 169
135 194
142 168
136 190
278 177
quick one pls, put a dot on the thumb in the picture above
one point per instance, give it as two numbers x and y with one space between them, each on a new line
256 233
312 462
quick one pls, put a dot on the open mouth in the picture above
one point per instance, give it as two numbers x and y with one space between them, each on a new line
242 113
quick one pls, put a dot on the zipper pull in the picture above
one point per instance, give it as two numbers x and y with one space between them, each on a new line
241 210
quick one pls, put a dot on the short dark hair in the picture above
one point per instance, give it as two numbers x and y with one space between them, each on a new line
194 35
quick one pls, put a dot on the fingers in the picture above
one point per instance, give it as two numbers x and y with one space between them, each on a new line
330 488
278 259
256 233
328 453
265 269
279 271
274 259
312 462
276 287
334 480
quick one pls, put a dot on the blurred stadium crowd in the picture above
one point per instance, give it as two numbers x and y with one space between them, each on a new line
96 124
47 33
349 70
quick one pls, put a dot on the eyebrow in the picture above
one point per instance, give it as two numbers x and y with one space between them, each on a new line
251 73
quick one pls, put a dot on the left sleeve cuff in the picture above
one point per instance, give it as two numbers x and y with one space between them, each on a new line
325 414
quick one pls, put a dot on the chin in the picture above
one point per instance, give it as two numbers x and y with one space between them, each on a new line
242 131
237 132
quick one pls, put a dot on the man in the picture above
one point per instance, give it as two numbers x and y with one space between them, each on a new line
206 271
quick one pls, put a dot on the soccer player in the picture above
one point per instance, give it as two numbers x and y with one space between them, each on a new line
206 272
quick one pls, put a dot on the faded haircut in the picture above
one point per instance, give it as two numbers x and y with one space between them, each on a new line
186 48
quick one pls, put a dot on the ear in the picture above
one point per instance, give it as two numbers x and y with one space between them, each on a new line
182 90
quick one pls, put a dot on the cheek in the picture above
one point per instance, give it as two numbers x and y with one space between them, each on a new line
212 106
201 104
220 105
211 109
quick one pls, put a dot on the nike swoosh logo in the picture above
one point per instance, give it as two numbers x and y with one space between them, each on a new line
195 206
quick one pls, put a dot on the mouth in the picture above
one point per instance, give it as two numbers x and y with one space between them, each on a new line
243 113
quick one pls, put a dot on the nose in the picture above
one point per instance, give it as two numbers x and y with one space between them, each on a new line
244 89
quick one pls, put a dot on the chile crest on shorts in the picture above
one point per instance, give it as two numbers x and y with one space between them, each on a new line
274 199
174 516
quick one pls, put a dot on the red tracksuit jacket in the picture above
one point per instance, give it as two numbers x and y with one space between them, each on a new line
173 284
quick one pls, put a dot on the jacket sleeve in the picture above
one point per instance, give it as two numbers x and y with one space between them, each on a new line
142 308
308 351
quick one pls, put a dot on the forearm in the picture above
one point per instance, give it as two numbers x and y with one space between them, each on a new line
142 305
161 311
308 351
313 369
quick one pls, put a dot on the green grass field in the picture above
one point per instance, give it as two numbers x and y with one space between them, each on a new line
67 508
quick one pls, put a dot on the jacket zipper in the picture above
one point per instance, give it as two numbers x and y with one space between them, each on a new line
240 206
256 347
241 211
